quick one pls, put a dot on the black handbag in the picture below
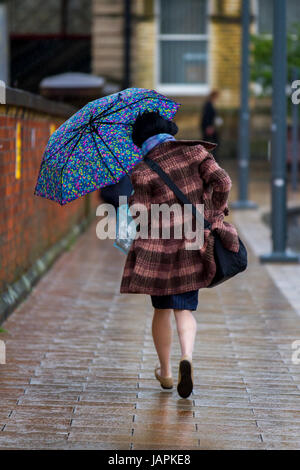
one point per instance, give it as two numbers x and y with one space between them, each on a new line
228 263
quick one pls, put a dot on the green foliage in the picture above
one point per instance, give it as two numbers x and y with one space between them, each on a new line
261 58
293 51
261 62
2 330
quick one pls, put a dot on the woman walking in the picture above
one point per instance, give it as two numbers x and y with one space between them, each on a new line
162 267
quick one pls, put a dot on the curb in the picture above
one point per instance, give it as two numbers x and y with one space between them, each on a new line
19 290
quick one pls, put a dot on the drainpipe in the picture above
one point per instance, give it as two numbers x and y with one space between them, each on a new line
127 44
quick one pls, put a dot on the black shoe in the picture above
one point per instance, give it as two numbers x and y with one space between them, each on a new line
185 378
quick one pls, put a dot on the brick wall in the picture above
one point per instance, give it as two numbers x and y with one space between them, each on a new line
29 225
144 54
107 39
225 50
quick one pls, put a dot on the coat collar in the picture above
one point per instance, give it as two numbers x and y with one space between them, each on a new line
155 140
168 145
207 145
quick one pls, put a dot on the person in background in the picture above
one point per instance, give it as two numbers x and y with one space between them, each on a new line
210 120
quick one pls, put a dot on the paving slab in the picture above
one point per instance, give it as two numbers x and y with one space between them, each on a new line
80 359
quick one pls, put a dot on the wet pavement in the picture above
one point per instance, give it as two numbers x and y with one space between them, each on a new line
293 228
80 361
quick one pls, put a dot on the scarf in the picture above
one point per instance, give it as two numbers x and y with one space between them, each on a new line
155 140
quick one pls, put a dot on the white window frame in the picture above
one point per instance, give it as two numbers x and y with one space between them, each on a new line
255 5
256 20
178 89
255 9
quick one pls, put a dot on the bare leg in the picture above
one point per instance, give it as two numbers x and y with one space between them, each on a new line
162 338
186 329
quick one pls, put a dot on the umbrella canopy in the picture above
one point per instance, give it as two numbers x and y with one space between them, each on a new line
93 148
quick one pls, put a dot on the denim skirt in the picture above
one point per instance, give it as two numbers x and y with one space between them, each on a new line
184 301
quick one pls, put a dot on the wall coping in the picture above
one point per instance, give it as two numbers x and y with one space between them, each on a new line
25 99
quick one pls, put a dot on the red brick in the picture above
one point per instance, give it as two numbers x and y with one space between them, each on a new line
28 223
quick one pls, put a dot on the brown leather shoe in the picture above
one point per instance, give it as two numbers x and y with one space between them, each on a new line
185 377
165 382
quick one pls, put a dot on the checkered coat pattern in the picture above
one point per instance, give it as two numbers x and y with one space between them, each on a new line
159 266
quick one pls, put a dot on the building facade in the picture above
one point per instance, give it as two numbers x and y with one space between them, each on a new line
183 49
180 48
47 38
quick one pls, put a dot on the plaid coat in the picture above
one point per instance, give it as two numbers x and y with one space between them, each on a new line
164 266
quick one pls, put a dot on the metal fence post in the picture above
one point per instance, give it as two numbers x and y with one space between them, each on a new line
295 139
127 44
244 144
278 149
4 44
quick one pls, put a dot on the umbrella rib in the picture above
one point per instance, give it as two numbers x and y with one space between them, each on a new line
84 126
66 162
134 102
99 153
118 123
124 169
108 122
63 145
120 109
94 119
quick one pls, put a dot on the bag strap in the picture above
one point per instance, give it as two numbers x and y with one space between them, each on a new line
155 167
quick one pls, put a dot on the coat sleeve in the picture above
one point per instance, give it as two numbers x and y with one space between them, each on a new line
217 185
141 196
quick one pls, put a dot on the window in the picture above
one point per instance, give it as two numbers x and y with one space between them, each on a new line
265 15
182 46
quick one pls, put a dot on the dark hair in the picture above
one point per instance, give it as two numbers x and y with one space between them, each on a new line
213 94
151 123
